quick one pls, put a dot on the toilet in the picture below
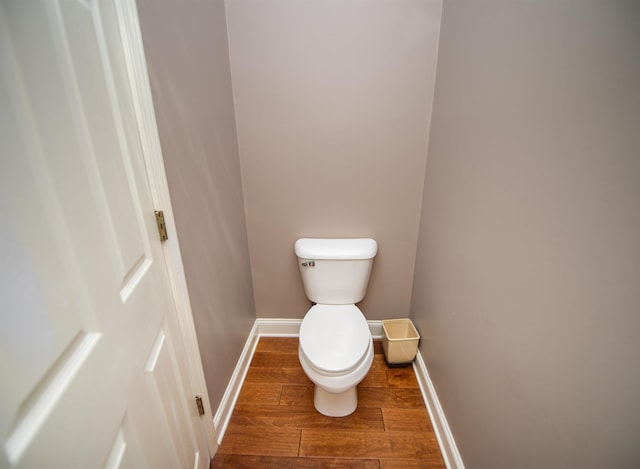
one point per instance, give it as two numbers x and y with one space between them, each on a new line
335 347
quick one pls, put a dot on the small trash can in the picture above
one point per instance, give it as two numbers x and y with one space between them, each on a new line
399 341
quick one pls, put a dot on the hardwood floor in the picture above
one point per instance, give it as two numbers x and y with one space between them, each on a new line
274 423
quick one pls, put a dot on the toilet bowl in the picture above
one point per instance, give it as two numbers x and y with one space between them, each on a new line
336 352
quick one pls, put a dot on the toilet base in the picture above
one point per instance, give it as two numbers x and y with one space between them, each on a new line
335 405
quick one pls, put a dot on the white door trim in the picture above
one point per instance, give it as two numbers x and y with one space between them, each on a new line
150 141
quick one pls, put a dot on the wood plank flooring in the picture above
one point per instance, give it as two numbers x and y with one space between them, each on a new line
274 423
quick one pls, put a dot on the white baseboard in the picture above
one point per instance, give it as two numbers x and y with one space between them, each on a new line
225 409
376 329
291 327
278 327
263 327
450 453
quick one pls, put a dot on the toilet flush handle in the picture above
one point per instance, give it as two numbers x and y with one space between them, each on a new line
309 264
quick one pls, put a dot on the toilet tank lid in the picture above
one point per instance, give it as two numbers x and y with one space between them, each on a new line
336 248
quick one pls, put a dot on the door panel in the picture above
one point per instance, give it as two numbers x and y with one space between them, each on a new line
92 364
96 89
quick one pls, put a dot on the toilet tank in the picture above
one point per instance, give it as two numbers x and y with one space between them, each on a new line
335 271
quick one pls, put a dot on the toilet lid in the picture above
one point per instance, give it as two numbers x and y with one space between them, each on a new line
334 337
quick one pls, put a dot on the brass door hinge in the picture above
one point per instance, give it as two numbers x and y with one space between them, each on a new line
162 229
200 405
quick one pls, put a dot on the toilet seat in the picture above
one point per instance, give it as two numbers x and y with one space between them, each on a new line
334 338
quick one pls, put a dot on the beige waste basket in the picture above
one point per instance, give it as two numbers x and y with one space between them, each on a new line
399 341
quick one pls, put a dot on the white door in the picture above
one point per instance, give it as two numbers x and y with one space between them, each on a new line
93 370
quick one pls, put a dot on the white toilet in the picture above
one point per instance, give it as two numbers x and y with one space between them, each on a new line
336 348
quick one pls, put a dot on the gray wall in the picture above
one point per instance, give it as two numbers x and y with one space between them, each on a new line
188 60
527 285
333 102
